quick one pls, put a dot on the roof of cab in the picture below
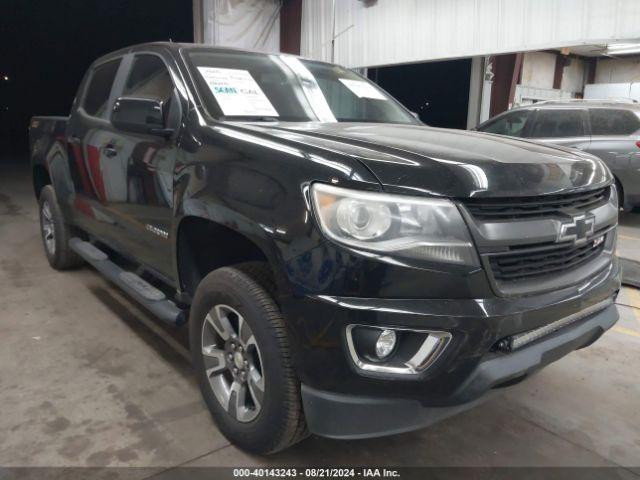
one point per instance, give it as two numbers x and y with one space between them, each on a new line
623 104
176 47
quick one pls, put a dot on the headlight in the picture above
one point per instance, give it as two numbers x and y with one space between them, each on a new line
429 229
613 197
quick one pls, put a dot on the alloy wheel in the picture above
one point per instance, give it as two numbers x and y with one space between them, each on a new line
48 228
233 363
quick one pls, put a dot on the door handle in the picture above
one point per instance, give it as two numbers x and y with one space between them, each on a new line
109 151
73 139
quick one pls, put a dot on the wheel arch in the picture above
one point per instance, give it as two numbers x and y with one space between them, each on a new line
203 245
40 178
620 187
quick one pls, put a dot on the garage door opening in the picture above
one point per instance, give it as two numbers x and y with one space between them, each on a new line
437 91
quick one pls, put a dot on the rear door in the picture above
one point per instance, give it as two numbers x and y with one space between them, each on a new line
567 127
87 127
614 133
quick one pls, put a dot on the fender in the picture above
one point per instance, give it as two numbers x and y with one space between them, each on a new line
58 168
255 185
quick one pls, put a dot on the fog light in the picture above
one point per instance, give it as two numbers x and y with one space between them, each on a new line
394 350
385 344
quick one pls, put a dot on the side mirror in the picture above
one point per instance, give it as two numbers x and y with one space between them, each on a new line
140 115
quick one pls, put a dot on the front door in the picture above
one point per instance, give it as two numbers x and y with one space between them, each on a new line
140 170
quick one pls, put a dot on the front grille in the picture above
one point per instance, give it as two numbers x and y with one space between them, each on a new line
543 260
531 207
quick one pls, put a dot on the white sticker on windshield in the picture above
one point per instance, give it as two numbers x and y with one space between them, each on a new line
363 89
237 92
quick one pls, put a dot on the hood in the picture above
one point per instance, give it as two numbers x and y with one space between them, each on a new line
453 163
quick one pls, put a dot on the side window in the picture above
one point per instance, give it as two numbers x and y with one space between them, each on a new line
149 78
609 121
512 124
97 95
554 123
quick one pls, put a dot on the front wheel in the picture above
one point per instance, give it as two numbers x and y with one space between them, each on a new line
242 360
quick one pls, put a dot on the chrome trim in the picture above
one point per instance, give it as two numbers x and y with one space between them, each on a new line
430 350
157 231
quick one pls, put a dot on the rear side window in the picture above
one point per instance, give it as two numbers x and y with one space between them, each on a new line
555 123
609 121
512 124
97 96
149 78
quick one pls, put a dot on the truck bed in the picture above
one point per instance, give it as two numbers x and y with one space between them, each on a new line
44 132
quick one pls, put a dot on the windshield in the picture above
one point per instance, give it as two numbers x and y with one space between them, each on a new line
258 87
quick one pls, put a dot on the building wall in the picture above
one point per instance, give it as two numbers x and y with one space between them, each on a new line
248 24
387 32
574 76
618 70
538 70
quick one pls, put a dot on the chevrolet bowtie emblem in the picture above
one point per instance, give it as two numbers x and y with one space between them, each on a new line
578 229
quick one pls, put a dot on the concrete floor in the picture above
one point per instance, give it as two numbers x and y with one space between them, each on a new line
629 236
89 379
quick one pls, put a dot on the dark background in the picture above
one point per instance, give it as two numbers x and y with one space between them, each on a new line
437 91
47 46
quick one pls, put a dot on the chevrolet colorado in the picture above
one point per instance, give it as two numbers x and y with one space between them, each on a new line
343 269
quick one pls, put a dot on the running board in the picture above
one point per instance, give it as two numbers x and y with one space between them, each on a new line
143 292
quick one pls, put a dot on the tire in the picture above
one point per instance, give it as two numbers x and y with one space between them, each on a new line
226 302
55 233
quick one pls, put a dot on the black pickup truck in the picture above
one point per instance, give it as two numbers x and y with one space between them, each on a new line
343 269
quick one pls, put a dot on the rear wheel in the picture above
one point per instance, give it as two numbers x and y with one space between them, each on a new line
242 360
55 233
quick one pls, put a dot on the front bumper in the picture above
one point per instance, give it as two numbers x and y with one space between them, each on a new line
351 416
342 400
